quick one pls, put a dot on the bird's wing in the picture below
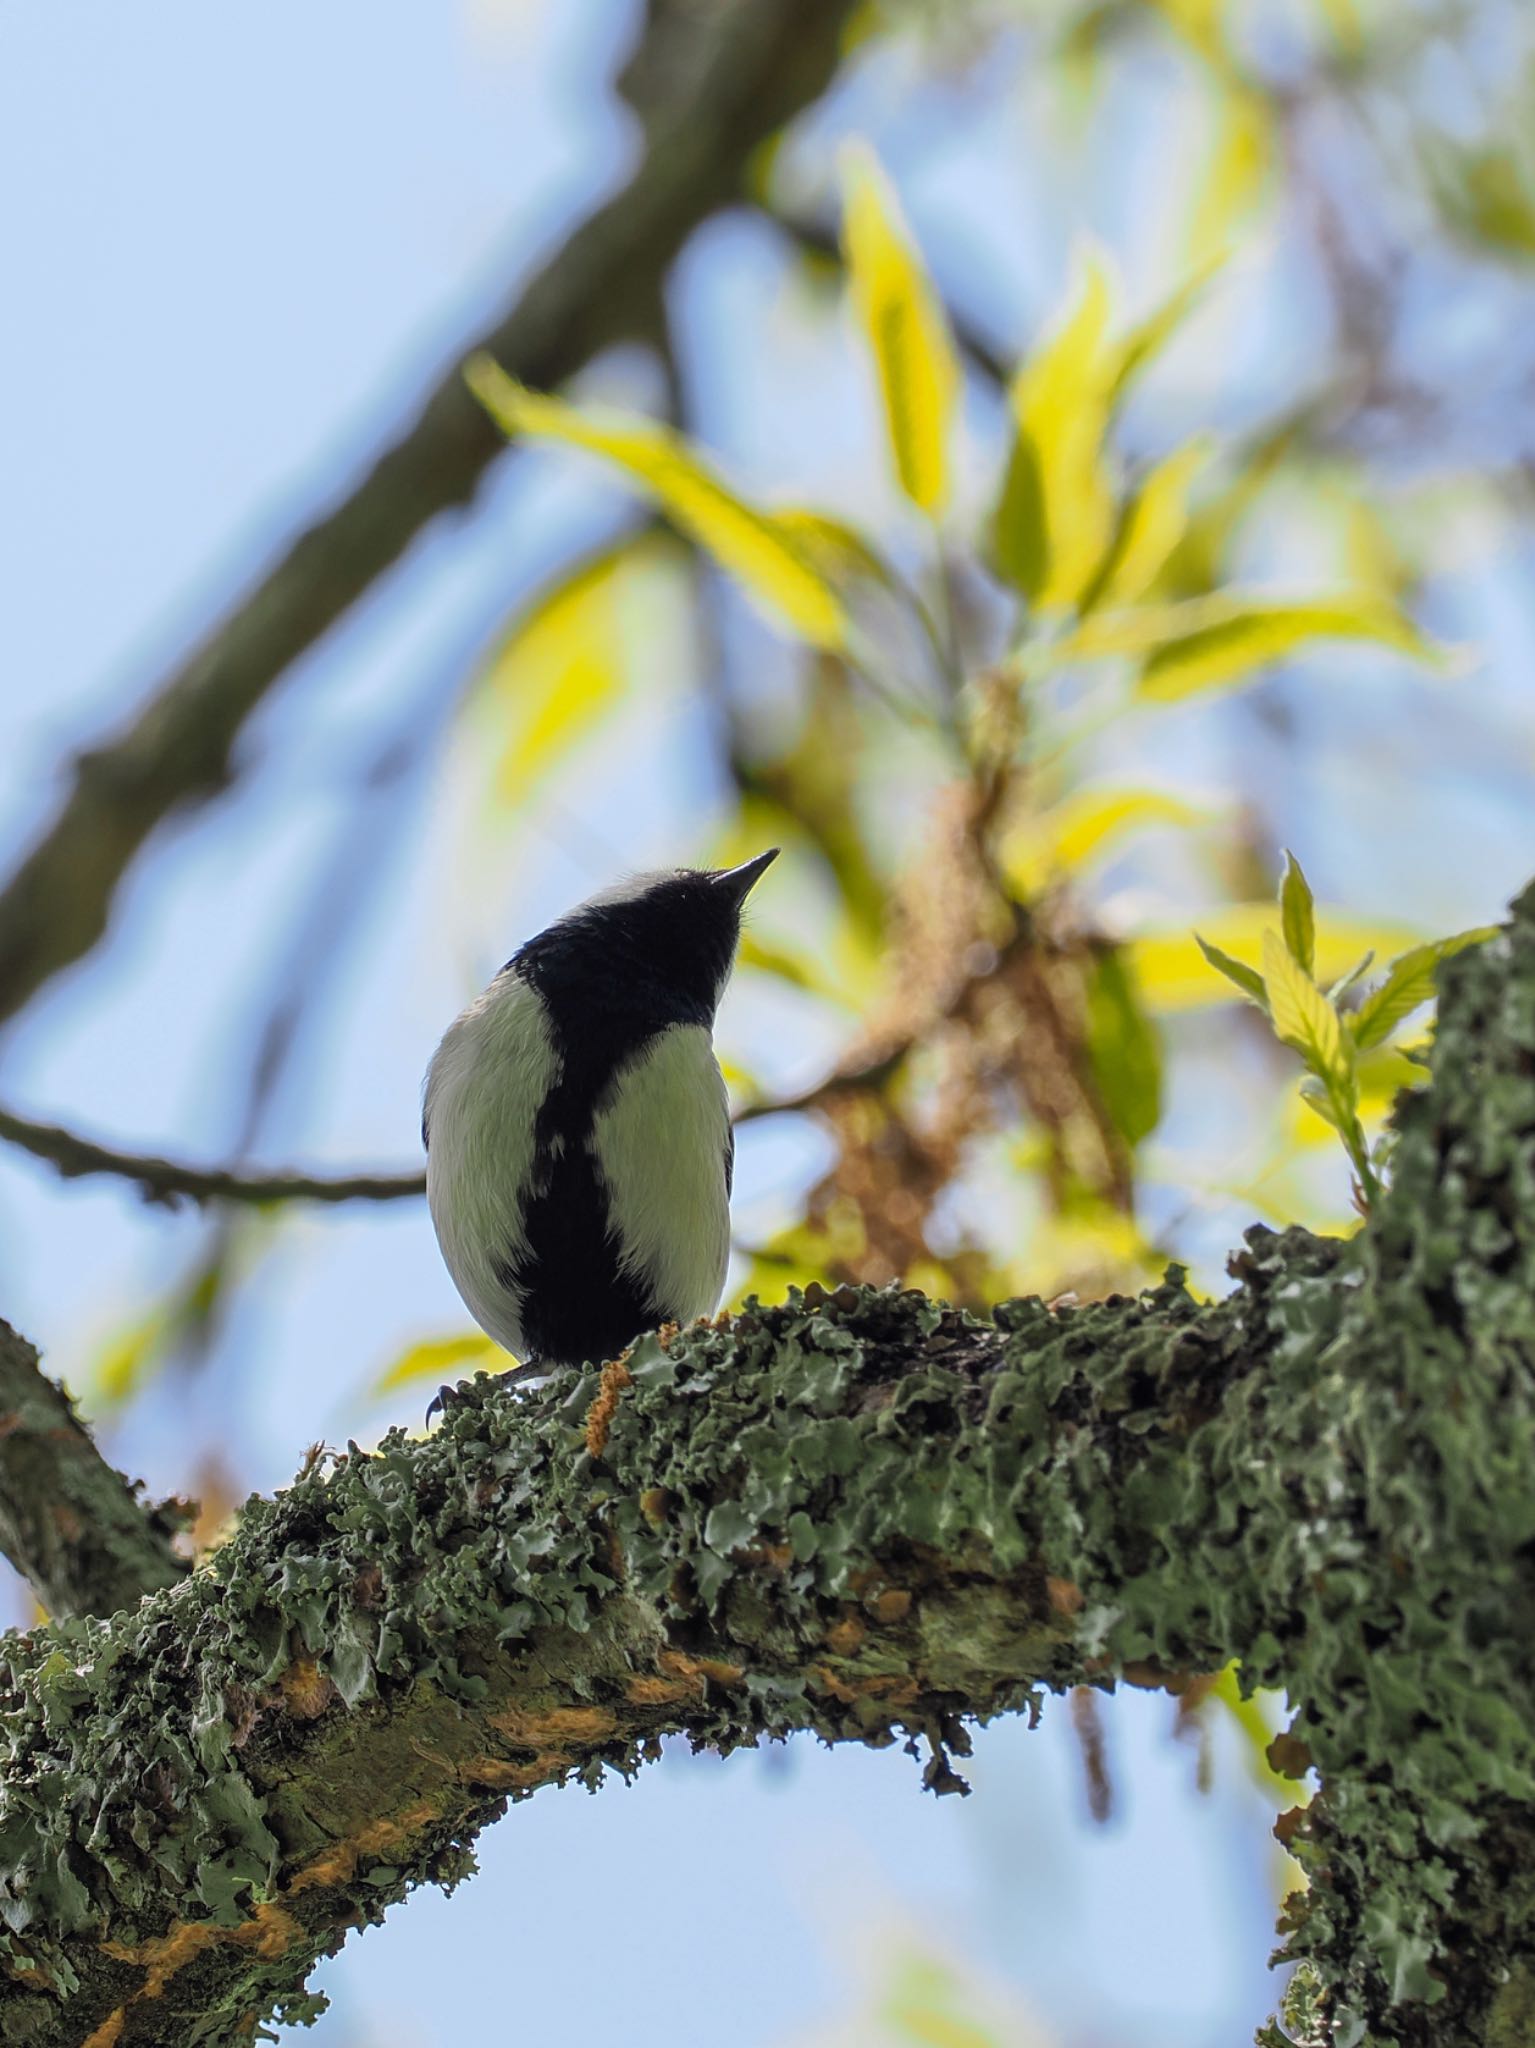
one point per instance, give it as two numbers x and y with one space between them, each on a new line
658 1140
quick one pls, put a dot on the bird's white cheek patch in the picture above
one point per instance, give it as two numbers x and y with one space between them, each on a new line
483 1092
659 1141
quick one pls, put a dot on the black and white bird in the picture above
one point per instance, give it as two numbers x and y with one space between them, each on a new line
579 1148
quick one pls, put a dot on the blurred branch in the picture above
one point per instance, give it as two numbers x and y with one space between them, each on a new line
845 1080
76 1530
876 1067
169 1181
710 85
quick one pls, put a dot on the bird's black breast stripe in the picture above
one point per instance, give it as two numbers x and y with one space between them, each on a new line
577 1305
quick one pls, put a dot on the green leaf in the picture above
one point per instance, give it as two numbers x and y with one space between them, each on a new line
1486 192
1336 990
1409 982
1246 978
1124 1049
1305 1020
1150 336
127 1358
1075 833
1298 914
1174 974
1151 524
778 571
561 669
1207 643
1315 1096
1347 27
844 556
1201 23
439 1358
1055 516
802 969
1237 173
187 1314
1257 1737
906 328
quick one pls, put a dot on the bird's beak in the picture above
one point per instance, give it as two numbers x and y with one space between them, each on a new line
737 883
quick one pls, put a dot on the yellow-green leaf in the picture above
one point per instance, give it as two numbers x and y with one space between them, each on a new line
1409 981
1201 22
559 671
1344 20
1055 516
439 1358
907 330
1124 1050
803 968
127 1357
772 565
1237 172
1173 975
843 555
1246 978
1257 1737
1344 982
1306 1021
1070 837
1151 524
1486 192
1315 1095
1297 913
1148 337
1206 643
1215 525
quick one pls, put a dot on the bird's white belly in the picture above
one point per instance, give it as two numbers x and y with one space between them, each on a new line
658 1143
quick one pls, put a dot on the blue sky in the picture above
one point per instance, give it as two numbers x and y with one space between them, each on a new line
239 245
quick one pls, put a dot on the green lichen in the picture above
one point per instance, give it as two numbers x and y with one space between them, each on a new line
859 1514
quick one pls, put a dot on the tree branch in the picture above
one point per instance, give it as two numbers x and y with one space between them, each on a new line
710 86
76 1530
860 1514
171 1181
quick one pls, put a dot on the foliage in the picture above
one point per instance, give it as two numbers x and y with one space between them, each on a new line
1329 1027
1001 1009
515 1592
1019 722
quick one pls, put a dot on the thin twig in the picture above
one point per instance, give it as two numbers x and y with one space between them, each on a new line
171 1181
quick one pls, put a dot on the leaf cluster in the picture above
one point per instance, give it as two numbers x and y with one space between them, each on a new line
1329 1026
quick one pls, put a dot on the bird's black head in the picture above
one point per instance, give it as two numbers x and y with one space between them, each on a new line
662 942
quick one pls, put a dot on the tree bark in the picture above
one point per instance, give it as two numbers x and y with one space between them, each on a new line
865 1515
79 1533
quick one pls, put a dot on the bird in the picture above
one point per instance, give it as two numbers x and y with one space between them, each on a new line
580 1155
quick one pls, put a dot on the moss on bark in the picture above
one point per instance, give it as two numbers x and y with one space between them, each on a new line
862 1515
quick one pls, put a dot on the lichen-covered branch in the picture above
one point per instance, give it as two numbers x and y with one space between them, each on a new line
711 84
857 1516
78 1532
864 1515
